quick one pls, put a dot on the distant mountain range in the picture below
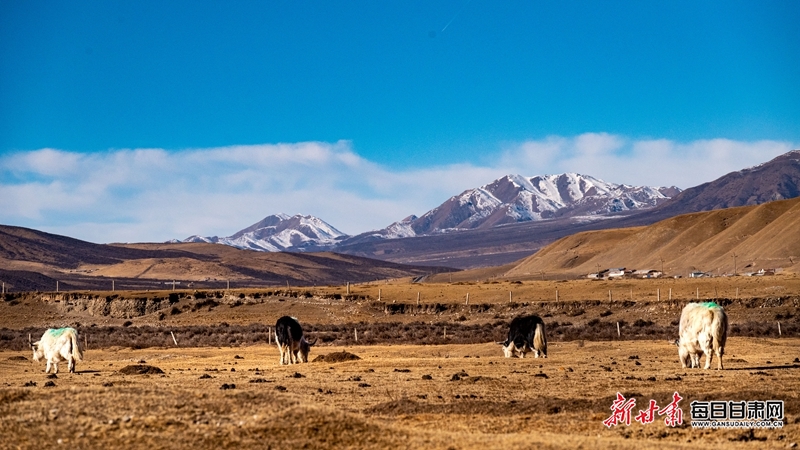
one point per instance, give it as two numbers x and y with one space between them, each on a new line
483 234
510 199
514 216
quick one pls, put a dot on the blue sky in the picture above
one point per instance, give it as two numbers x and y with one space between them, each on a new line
135 121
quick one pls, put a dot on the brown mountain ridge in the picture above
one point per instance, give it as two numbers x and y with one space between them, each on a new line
35 260
761 237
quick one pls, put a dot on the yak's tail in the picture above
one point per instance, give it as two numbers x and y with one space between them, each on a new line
77 353
719 333
540 339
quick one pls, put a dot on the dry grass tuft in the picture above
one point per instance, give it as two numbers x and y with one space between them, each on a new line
336 357
140 369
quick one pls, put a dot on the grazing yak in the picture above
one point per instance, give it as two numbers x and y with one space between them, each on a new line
292 344
57 345
525 334
703 329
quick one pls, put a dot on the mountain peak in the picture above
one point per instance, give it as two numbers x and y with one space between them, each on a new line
279 232
515 198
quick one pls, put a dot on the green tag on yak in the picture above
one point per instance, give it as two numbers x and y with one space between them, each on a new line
58 332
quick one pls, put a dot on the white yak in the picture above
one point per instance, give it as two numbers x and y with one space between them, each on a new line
57 345
703 329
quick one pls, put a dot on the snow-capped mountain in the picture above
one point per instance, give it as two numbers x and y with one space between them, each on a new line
279 232
514 198
510 199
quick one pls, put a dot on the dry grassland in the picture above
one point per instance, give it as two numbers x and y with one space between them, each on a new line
401 396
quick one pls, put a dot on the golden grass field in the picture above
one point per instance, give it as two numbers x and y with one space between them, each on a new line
383 400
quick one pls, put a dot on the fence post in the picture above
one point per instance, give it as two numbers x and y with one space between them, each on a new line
355 331
618 333
510 298
779 328
556 294
173 338
658 294
467 303
417 298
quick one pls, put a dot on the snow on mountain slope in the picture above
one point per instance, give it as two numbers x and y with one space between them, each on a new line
279 232
515 198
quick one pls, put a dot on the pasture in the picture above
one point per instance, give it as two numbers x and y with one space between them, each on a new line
429 375
395 396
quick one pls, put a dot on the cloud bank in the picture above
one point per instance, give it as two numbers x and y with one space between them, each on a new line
153 195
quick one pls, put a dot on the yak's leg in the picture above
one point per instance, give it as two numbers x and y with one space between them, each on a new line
695 361
685 357
709 356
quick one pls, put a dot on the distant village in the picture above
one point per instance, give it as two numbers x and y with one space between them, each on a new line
622 272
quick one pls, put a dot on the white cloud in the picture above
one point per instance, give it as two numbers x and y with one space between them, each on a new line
135 195
652 162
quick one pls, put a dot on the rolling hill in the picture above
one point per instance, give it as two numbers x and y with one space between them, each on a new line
35 260
762 236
